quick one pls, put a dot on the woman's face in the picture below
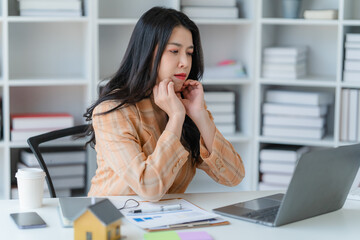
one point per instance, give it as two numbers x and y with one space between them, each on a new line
175 63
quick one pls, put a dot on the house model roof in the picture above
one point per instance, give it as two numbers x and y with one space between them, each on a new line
105 211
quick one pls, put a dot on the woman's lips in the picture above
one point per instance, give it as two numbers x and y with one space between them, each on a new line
181 76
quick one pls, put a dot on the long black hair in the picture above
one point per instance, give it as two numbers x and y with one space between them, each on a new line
138 71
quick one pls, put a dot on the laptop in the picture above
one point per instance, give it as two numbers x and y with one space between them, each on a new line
320 184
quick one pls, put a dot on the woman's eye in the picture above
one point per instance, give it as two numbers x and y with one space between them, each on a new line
174 51
190 53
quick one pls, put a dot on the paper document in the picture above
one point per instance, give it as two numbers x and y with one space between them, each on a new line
188 216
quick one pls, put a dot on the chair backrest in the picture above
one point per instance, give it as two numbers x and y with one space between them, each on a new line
35 141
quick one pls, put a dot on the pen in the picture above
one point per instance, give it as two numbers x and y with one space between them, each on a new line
158 209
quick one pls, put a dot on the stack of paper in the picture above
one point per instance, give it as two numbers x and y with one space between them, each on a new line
210 8
277 164
66 168
32 124
326 14
284 62
295 114
222 107
227 71
350 115
352 58
50 8
188 216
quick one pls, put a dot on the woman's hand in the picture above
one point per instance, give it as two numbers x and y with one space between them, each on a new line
166 98
193 101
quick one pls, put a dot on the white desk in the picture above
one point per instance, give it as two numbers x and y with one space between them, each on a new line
341 224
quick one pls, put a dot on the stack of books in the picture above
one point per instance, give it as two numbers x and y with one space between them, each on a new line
352 58
350 115
28 125
210 8
50 8
66 168
284 62
222 107
277 164
225 70
295 114
325 14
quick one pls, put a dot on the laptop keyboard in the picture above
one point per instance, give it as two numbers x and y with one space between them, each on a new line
265 215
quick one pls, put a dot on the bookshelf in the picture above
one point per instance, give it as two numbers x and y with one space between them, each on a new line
45 67
325 39
47 64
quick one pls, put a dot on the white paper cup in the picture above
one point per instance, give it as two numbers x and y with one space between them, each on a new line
30 183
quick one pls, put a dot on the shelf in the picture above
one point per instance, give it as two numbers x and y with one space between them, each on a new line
19 19
283 21
237 81
350 84
351 22
239 21
114 21
48 82
327 141
60 143
307 81
237 137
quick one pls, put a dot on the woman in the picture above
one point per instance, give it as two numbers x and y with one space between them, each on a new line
150 123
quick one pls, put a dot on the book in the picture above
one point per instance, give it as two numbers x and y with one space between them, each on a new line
284 59
352 44
276 178
54 158
293 132
352 54
42 121
353 115
294 110
49 5
299 97
224 118
321 14
285 67
285 51
236 70
298 121
270 167
353 37
221 107
219 97
284 74
344 118
352 65
351 76
71 208
72 182
282 153
211 12
24 134
209 3
50 13
226 128
62 170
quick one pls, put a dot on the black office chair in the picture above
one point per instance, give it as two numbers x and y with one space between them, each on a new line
35 141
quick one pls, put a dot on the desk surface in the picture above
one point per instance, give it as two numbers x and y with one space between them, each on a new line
341 224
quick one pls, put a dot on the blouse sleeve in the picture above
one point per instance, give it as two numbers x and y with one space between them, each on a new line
118 141
224 164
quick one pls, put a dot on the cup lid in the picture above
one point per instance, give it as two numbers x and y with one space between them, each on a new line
30 173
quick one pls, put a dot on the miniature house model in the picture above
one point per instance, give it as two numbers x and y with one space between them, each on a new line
100 221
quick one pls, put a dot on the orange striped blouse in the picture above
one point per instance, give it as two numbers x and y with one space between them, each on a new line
135 157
